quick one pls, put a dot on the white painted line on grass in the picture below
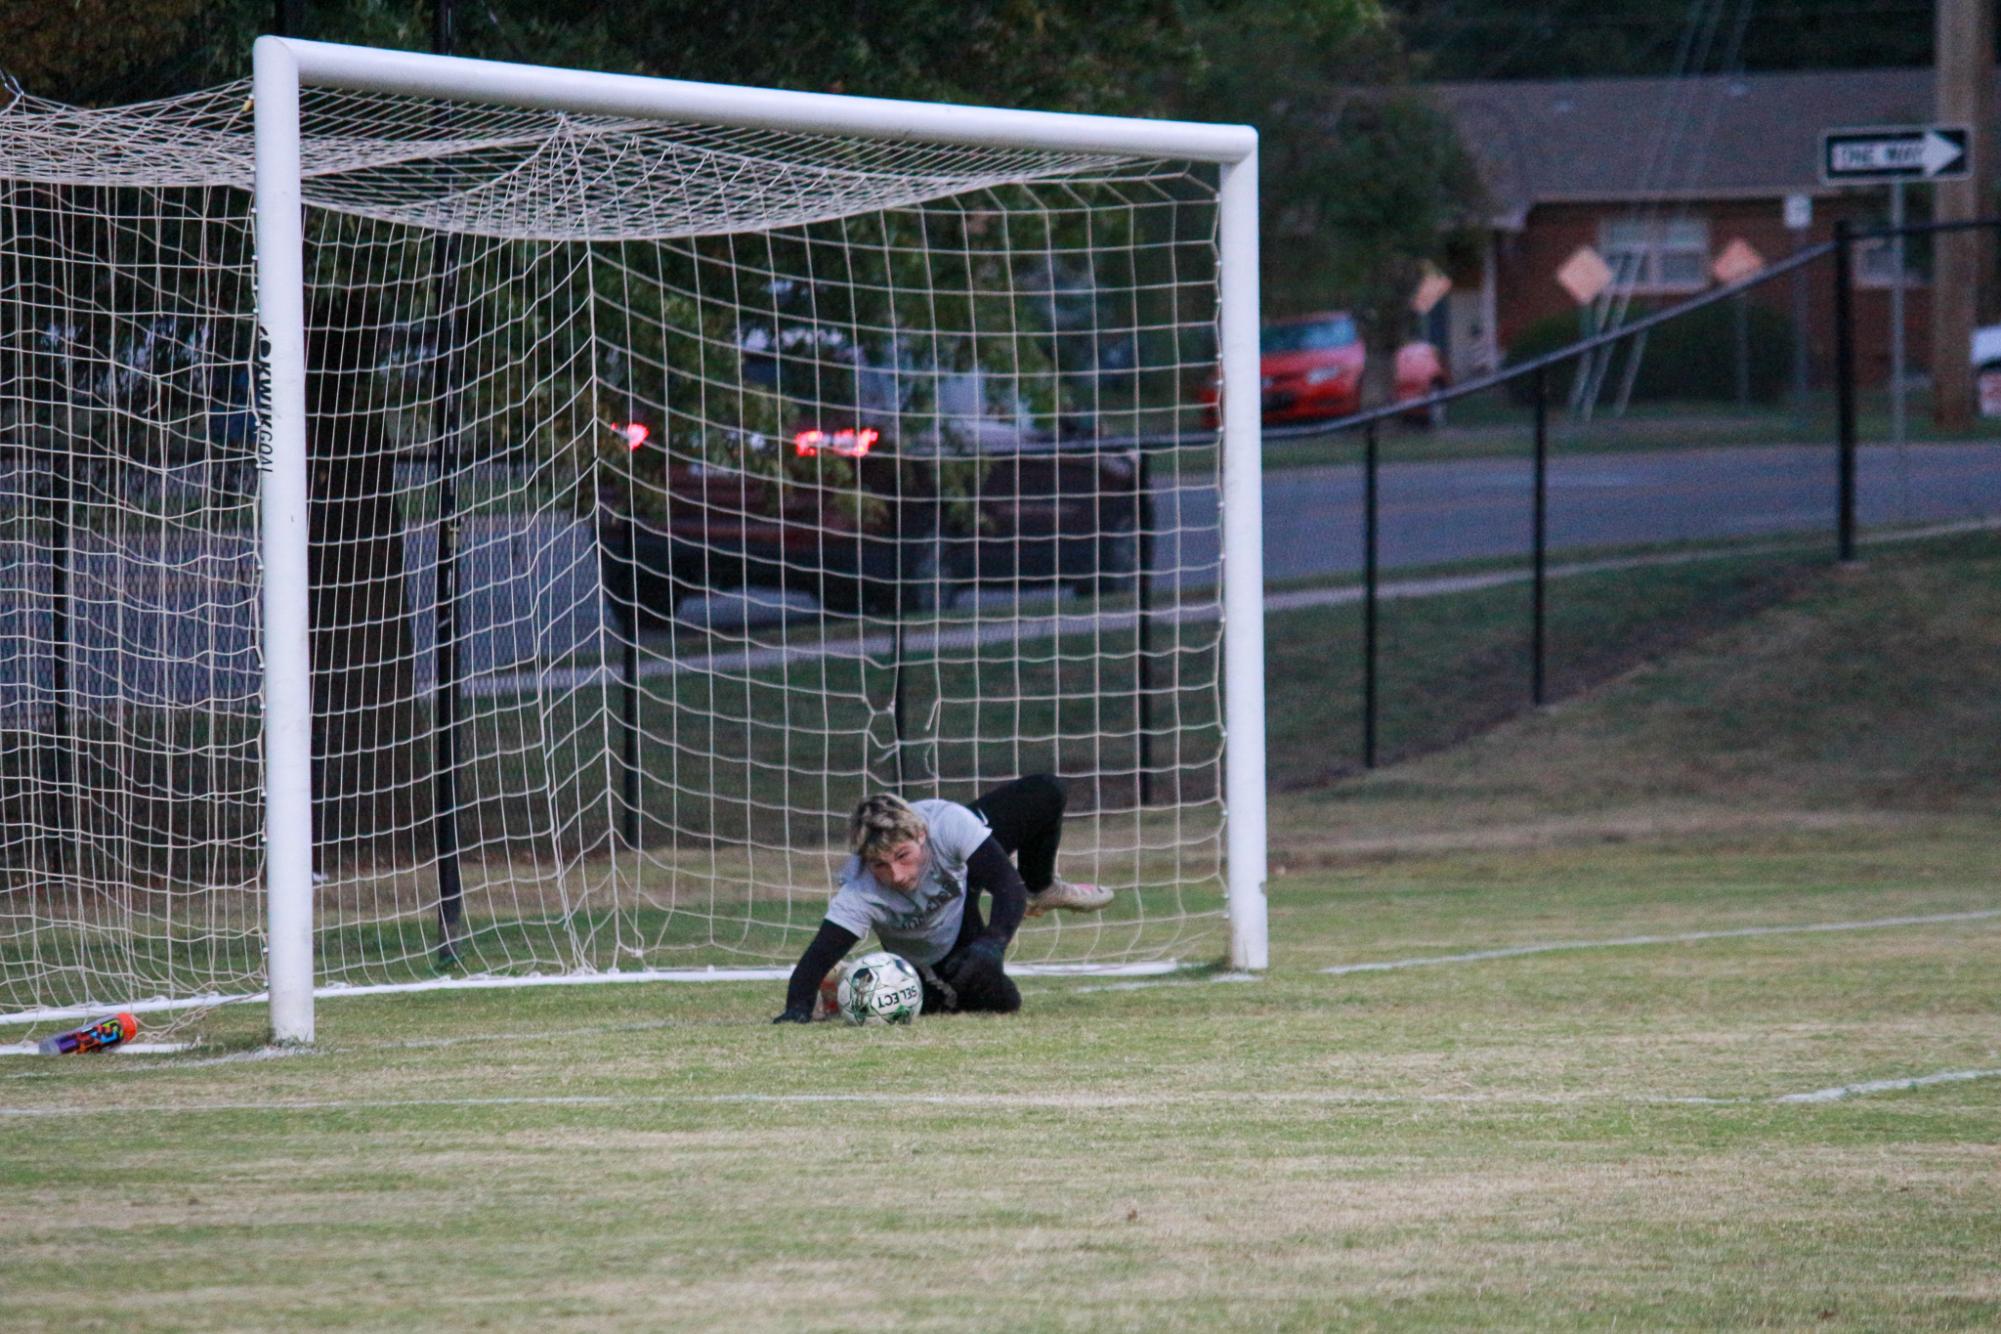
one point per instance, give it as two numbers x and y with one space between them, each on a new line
338 989
1101 1103
1151 968
128 1048
1165 982
1840 1091
969 1101
335 990
1551 947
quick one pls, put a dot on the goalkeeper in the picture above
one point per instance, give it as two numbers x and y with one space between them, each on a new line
915 879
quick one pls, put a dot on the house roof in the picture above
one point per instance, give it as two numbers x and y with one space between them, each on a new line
1709 136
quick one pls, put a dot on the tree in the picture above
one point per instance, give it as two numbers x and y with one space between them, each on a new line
1561 39
1054 54
102 51
1358 183
1361 182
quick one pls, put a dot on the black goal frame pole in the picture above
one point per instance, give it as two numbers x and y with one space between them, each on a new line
1844 388
59 811
447 368
1372 534
1539 613
1143 625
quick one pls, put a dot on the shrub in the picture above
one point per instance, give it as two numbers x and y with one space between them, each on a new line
1692 356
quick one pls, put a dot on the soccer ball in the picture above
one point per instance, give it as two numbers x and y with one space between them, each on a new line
880 988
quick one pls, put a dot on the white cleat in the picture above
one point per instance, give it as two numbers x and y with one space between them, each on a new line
1070 895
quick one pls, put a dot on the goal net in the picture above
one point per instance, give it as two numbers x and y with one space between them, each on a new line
668 482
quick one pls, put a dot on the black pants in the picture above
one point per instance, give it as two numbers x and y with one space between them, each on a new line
1026 817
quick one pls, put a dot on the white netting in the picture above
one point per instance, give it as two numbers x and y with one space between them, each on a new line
672 486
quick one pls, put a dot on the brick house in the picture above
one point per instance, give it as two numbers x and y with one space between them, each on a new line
1660 176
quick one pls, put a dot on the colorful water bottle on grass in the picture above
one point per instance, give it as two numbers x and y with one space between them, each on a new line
106 1032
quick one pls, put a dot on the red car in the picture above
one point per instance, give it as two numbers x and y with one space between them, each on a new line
1311 370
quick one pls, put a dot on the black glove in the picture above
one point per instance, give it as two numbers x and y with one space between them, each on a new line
794 1017
979 982
981 959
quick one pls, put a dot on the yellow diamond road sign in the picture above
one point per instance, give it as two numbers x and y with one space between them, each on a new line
1584 275
1737 262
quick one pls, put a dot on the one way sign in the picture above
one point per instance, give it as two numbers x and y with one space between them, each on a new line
1864 154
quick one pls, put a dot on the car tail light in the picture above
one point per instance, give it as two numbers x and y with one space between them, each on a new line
851 444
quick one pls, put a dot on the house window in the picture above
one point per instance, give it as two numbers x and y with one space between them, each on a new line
1876 264
1656 255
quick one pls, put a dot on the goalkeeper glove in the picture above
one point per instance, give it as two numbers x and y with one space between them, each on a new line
981 958
794 1017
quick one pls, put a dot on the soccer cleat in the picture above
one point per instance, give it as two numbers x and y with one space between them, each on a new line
1071 895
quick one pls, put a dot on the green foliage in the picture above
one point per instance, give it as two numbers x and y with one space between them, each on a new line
1691 357
1359 182
1362 209
99 381
1054 54
1558 39
101 50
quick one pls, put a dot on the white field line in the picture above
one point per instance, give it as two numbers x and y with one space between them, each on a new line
1840 1091
127 1048
1551 947
146 1069
1170 982
336 990
970 1101
486 1038
974 1101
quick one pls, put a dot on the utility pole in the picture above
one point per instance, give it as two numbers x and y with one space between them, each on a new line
1962 263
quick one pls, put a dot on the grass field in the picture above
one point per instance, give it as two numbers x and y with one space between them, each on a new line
1729 1057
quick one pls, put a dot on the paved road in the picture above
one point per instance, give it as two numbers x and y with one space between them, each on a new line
1480 508
172 619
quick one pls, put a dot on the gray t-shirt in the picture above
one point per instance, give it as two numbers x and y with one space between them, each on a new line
923 924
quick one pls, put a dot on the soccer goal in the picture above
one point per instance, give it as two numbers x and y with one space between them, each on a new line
473 522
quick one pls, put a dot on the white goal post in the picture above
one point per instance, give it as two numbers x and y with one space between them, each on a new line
971 343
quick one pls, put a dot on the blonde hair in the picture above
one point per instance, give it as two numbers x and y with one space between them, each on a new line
882 822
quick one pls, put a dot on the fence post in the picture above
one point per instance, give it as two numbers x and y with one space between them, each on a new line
1844 388
446 457
446 424
59 813
1371 537
633 825
1143 626
897 720
1540 581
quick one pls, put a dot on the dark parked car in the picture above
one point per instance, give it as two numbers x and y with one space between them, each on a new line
1048 510
865 522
